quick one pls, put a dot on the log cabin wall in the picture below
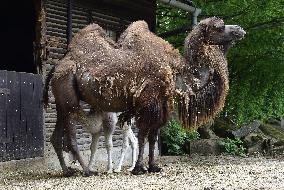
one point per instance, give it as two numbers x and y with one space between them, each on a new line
112 15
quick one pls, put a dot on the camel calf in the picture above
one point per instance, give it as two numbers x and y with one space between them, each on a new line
106 122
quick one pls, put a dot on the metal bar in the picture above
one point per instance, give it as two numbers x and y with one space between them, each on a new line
182 6
193 19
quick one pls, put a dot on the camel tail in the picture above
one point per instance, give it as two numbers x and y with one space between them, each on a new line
46 86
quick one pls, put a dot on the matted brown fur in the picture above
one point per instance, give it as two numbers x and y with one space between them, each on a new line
207 102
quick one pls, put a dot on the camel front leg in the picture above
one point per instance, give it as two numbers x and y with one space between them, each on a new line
139 166
152 137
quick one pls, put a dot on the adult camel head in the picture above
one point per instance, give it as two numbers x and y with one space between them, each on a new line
206 70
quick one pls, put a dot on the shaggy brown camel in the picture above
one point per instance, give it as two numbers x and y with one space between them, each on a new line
140 76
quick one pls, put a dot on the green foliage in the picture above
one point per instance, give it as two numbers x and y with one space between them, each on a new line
169 18
192 135
256 63
174 137
233 146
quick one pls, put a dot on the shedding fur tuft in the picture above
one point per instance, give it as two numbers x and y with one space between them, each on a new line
198 109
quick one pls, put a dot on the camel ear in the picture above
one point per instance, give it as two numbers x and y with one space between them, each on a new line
218 23
212 22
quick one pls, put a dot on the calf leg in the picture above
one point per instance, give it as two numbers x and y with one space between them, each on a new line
94 147
134 146
109 146
109 125
125 145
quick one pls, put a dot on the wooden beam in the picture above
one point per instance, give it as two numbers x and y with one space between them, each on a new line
69 21
124 9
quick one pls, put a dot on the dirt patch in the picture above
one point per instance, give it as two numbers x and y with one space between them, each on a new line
184 172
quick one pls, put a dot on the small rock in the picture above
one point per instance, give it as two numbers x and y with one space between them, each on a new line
205 147
247 129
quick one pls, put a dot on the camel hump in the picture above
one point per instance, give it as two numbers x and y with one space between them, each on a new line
92 28
138 34
134 29
138 26
88 32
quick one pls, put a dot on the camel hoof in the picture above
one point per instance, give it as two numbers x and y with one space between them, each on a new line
154 169
130 169
109 172
69 172
139 170
90 173
117 170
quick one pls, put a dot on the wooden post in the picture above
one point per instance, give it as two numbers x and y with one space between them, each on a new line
69 22
40 37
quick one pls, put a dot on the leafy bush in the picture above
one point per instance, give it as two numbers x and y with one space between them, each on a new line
192 135
233 146
174 137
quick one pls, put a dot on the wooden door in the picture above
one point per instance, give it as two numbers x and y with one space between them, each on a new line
21 115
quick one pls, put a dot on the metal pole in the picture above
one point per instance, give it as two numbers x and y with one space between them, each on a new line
69 22
193 10
194 19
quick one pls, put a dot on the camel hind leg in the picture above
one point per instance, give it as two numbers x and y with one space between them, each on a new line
152 138
57 143
67 105
94 148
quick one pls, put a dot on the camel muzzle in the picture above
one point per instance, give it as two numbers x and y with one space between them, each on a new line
236 31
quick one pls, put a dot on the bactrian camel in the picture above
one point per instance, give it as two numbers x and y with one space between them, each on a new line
141 75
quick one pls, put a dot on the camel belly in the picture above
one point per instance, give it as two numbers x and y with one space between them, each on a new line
104 97
108 105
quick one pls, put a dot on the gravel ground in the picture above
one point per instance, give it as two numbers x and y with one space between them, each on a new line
206 173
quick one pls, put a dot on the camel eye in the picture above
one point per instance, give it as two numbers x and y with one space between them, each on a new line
220 28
